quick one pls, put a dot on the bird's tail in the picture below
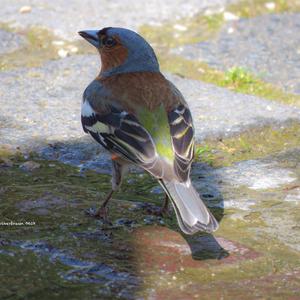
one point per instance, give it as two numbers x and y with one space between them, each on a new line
191 212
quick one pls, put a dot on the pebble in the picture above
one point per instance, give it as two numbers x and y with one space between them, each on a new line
228 16
270 5
62 53
25 9
30 166
58 43
180 27
73 49
230 30
124 222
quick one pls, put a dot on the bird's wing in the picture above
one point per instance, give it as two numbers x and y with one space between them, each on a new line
183 141
121 133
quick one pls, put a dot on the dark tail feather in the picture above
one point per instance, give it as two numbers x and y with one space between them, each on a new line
191 212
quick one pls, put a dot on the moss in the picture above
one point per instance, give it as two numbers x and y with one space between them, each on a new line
187 30
238 76
6 27
252 144
204 154
55 196
251 9
236 79
40 46
66 227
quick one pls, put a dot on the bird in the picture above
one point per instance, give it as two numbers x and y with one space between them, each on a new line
142 119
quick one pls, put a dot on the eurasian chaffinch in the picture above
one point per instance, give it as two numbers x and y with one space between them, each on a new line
139 116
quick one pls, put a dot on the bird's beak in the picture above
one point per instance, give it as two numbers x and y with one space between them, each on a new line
91 36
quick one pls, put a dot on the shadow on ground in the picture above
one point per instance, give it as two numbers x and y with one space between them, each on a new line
44 228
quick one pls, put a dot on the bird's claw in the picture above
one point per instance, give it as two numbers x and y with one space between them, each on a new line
159 212
101 213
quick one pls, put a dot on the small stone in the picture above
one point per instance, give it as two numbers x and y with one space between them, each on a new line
125 222
156 190
180 27
270 5
230 30
228 16
25 9
73 49
58 43
30 166
149 220
208 12
62 53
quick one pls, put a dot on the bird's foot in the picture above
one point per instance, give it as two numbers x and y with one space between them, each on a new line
101 213
158 211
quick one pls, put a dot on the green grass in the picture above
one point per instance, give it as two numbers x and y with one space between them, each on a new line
238 76
252 144
237 79
204 153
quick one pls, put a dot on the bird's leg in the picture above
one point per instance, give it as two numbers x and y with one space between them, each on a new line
102 211
163 210
117 174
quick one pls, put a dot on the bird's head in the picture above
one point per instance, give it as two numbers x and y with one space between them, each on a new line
122 51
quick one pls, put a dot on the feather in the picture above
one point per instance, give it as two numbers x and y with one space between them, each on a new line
157 136
191 212
120 132
182 133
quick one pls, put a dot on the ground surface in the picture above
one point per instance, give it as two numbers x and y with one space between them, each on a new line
266 45
247 166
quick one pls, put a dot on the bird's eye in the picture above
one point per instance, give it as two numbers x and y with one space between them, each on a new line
108 42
